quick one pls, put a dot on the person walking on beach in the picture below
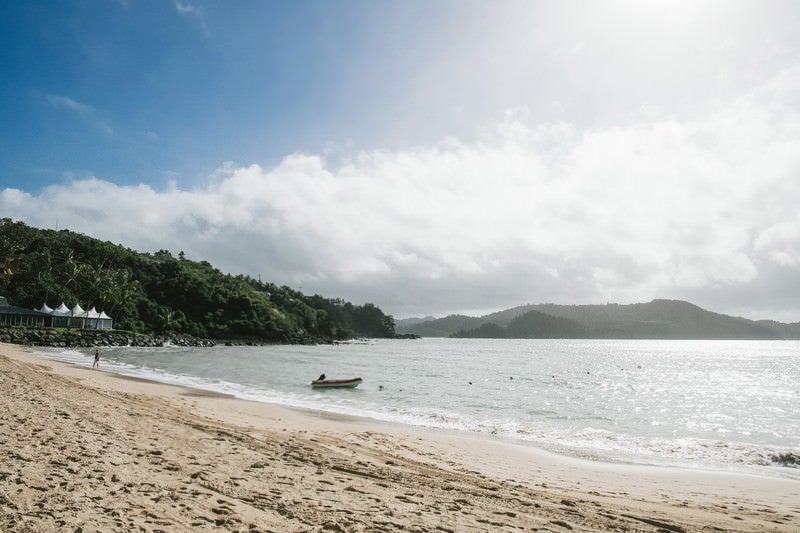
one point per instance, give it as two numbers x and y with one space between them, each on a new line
96 359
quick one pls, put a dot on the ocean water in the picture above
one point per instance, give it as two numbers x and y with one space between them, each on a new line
718 405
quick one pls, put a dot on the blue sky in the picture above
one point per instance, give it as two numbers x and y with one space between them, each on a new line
147 91
430 157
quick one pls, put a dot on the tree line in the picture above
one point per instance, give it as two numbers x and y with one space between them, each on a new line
160 293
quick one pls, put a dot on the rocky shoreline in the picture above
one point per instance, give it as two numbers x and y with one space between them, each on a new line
87 338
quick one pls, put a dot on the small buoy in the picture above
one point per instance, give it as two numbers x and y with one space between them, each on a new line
380 387
470 383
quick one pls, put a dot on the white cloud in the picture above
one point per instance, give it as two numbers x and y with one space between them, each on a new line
188 9
65 102
86 112
531 213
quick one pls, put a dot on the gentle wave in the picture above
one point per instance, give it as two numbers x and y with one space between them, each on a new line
599 414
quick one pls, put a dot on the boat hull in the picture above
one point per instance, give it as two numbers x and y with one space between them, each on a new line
336 383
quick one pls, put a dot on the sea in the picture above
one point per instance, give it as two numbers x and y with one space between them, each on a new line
714 405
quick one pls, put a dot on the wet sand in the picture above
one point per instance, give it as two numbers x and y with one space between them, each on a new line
87 449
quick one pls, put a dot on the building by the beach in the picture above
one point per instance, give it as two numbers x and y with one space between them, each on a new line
11 315
60 317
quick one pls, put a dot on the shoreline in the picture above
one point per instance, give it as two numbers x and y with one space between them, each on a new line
586 454
286 469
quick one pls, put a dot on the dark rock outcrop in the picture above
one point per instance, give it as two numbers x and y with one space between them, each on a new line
90 337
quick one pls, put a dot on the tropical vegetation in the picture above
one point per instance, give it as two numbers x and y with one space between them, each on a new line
160 293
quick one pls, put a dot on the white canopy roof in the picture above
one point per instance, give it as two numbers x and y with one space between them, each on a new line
77 311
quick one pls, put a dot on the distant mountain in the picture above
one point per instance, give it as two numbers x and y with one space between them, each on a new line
444 327
441 327
531 325
490 330
538 325
784 331
409 322
659 319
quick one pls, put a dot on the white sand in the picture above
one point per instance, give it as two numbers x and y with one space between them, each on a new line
90 449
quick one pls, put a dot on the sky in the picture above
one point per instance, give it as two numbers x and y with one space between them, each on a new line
430 157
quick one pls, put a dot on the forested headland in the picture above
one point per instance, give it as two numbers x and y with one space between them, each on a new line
159 293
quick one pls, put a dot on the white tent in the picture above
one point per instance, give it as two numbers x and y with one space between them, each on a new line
91 318
61 316
104 321
64 317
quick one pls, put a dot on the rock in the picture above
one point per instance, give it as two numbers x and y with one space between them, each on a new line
90 338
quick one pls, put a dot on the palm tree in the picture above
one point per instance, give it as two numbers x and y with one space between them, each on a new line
122 293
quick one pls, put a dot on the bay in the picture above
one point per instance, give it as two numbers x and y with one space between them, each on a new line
721 405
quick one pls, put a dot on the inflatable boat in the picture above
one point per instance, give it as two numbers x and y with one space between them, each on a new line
335 383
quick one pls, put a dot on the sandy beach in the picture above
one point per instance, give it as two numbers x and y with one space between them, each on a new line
87 450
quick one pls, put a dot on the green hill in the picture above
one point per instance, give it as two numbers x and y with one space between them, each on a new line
537 325
160 293
443 327
490 330
659 319
531 325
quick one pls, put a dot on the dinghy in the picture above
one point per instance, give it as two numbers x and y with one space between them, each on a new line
335 383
